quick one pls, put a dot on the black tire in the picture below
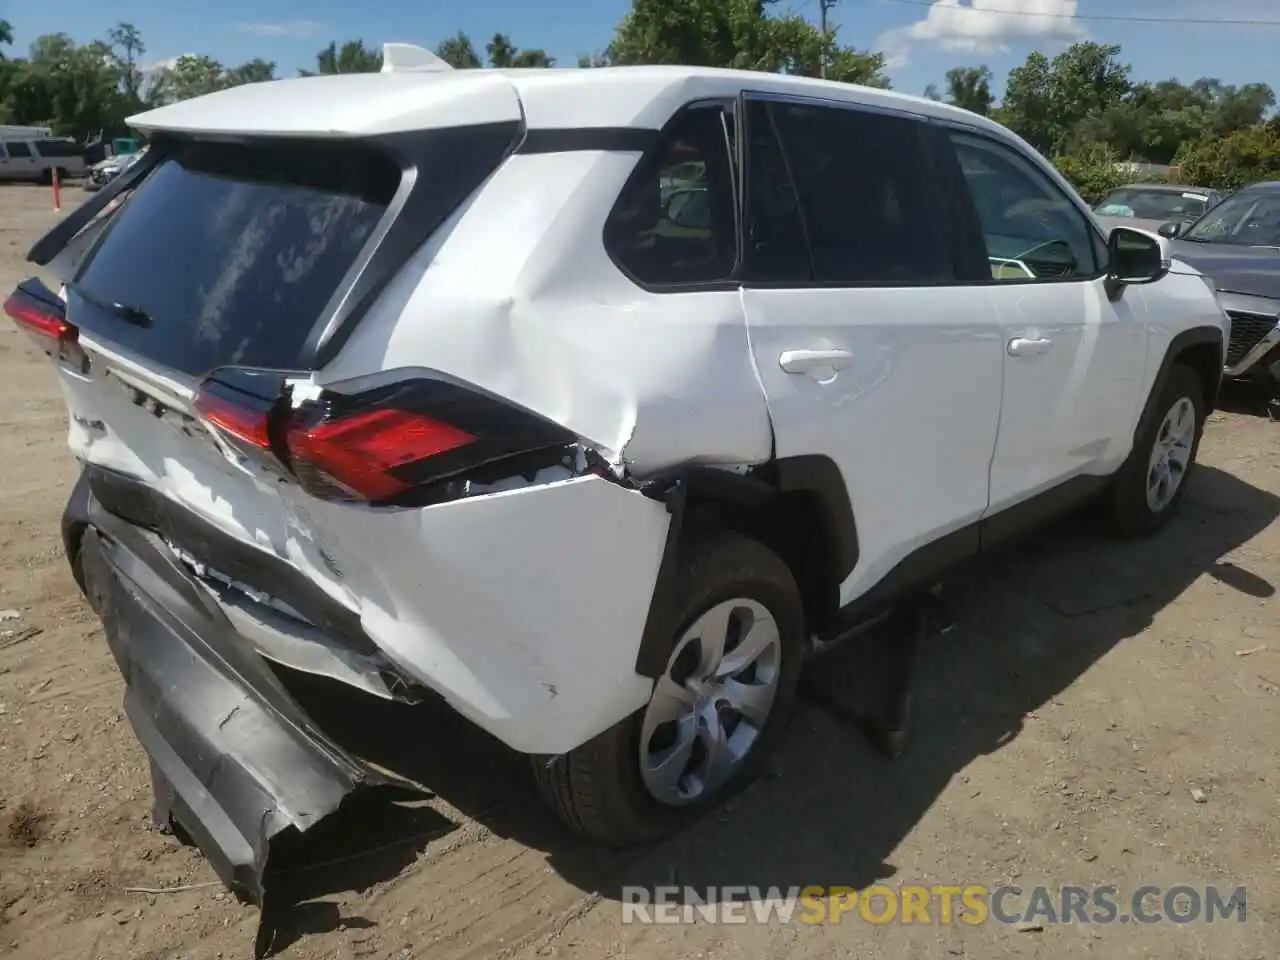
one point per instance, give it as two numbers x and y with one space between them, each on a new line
1131 515
596 789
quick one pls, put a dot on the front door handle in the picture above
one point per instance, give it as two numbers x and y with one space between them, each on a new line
1029 346
811 361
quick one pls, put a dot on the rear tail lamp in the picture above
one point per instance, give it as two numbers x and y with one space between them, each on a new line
39 312
377 446
367 453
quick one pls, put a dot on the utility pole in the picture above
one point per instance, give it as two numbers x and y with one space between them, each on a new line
823 7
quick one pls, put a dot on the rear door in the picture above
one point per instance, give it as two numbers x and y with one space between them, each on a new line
869 348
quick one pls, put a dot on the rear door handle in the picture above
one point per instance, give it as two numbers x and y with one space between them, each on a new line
1028 347
811 361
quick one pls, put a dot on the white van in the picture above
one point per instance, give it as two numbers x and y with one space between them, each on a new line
34 158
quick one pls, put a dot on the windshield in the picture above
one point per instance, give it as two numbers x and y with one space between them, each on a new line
1247 220
1152 204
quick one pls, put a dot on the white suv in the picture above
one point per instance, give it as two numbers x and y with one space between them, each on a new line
590 401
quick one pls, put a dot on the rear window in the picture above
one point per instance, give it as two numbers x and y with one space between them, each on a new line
228 253
59 148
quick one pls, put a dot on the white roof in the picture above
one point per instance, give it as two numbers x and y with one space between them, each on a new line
368 104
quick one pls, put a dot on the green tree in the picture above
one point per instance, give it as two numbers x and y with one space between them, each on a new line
74 89
126 48
1045 100
190 76
1245 156
1093 171
503 53
1239 108
459 52
352 57
253 71
1027 108
6 71
739 34
970 88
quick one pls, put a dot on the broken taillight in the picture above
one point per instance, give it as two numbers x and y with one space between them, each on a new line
38 311
376 446
362 452
235 418
239 405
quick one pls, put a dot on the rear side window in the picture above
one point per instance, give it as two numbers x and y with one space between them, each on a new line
59 148
865 194
673 223
19 150
229 253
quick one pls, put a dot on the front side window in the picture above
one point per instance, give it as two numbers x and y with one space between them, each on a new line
1032 229
862 184
674 222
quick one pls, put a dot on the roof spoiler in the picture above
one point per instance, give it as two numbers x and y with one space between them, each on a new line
398 57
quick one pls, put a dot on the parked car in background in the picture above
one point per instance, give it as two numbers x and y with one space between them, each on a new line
103 172
34 159
1237 245
477 386
1147 206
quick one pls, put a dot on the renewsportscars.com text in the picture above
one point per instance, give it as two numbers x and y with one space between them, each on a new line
912 904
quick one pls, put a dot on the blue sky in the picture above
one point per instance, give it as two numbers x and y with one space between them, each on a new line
923 42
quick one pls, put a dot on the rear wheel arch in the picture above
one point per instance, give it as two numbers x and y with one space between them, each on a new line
798 507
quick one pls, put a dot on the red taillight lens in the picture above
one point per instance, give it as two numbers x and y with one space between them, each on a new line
241 422
361 451
34 316
396 443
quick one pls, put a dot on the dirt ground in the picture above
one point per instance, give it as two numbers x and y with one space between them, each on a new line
1090 688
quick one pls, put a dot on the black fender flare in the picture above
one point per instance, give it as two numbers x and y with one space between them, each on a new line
815 474
1192 337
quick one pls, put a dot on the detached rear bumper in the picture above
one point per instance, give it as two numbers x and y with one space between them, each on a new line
234 760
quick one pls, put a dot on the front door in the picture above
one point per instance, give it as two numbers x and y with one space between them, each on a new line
868 349
1073 358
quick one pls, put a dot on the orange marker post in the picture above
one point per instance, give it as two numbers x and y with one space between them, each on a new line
57 192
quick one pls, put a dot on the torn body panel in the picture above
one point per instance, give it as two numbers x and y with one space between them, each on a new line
650 380
521 603
234 760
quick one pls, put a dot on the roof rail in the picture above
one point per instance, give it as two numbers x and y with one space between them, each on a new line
398 57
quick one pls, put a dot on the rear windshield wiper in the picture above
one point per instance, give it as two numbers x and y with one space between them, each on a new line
135 315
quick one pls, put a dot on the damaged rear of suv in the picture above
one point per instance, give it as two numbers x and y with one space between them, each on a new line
339 409
553 393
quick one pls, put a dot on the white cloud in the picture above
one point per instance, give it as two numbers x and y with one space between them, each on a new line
984 26
293 29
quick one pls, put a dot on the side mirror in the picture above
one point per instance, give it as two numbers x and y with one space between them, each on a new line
1171 229
1134 258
